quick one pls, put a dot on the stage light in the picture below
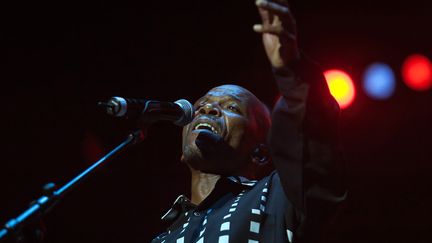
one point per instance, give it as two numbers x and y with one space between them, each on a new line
341 87
417 72
379 81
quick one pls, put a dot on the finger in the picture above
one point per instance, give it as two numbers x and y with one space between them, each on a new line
274 30
271 11
266 16
273 7
275 27
259 28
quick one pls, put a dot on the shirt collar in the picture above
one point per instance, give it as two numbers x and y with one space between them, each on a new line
243 180
182 204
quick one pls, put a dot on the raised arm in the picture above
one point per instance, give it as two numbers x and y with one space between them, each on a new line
303 138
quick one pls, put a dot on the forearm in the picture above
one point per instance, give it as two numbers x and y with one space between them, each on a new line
303 138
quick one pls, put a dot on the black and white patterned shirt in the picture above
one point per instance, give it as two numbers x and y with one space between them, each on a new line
237 210
294 201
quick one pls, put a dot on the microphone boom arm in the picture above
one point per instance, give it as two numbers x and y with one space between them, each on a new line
51 196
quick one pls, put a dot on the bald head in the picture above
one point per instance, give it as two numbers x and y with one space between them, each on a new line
257 112
233 114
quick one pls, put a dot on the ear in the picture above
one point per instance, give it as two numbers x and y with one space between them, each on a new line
261 155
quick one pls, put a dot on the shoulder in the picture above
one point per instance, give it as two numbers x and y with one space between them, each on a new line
273 184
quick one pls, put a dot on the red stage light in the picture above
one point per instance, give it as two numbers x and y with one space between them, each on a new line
341 87
417 72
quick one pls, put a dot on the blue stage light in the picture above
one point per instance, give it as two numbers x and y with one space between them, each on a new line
379 81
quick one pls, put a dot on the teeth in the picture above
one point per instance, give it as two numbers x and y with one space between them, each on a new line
201 125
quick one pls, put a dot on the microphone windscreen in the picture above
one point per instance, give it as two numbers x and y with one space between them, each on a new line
188 111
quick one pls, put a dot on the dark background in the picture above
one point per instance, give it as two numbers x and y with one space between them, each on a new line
61 57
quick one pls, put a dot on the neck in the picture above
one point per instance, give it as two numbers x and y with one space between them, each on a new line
202 185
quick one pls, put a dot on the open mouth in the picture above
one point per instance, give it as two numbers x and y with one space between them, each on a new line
206 126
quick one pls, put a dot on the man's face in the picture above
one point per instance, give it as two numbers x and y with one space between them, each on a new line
223 133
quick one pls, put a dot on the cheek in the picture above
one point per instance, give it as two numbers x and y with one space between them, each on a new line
237 132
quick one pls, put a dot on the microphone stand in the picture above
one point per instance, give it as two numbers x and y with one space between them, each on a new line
51 196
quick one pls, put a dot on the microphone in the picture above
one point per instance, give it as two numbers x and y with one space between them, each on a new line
180 112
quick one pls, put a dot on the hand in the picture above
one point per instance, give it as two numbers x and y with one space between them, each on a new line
278 31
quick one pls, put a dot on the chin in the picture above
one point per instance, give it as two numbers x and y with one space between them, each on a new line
192 156
212 156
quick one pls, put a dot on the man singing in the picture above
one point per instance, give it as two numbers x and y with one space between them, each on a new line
233 136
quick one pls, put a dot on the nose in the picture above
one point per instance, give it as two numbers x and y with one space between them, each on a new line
209 109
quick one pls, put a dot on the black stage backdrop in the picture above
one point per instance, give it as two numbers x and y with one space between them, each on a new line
60 57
